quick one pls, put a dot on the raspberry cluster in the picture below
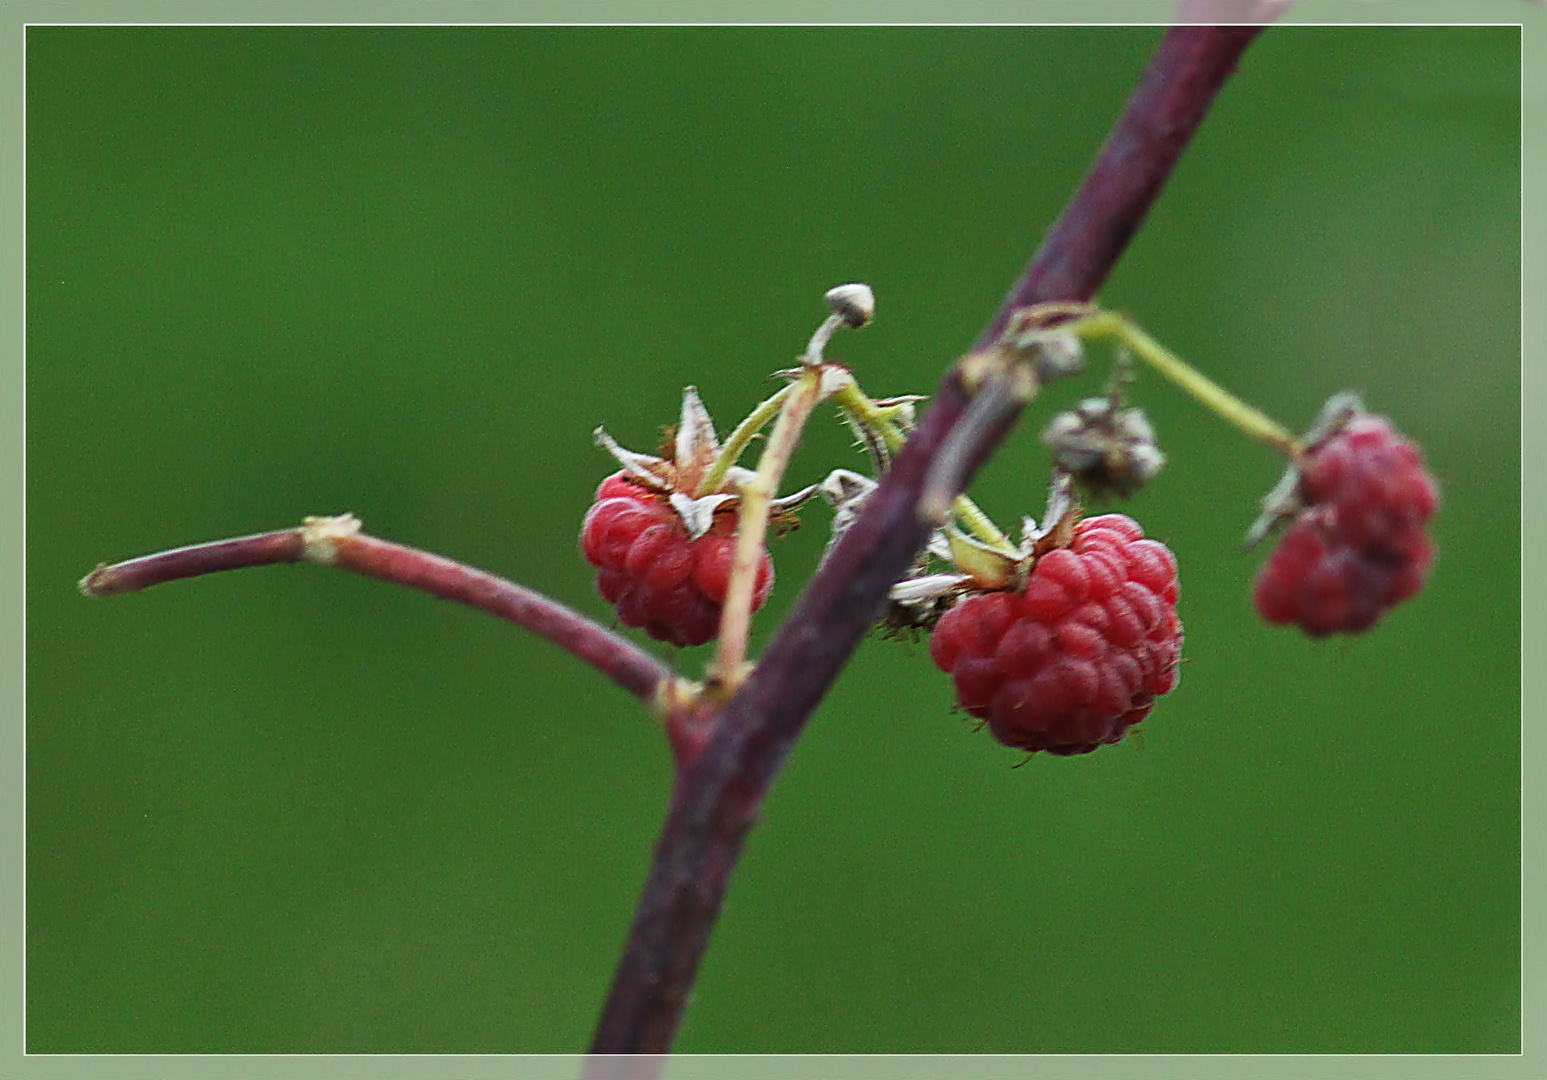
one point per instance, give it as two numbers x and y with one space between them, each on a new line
659 579
1359 545
1078 656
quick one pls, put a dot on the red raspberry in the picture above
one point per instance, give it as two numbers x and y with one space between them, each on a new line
1359 546
1376 485
670 586
1078 657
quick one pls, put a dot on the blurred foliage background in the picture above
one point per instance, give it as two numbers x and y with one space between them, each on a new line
405 272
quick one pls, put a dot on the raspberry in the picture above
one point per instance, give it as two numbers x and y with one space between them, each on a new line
1375 482
1359 545
1078 656
659 580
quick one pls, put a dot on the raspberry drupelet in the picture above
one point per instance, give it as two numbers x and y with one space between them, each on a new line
1359 543
659 579
1078 656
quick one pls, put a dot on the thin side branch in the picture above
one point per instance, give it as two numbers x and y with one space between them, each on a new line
337 541
195 560
721 791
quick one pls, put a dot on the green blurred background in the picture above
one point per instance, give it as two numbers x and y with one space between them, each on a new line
405 272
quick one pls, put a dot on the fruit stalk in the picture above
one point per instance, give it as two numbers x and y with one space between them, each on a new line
752 523
736 443
1254 422
863 410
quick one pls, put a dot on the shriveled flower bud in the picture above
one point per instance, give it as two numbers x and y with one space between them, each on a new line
852 305
1054 352
1058 355
1106 448
855 303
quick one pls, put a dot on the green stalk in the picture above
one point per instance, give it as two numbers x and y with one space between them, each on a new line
737 443
1254 422
864 411
795 403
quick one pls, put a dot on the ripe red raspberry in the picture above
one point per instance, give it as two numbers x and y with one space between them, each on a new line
1076 658
670 586
1359 546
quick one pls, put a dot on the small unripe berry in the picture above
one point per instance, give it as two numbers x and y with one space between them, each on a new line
1359 545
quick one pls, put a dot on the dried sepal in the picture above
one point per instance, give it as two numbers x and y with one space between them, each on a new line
915 604
784 513
929 587
938 545
1337 412
845 488
697 445
1029 532
1280 504
698 514
869 440
900 409
655 473
1284 502
794 500
737 477
845 491
1058 521
833 378
694 447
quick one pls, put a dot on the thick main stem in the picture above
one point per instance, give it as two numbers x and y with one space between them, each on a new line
719 795
1172 98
